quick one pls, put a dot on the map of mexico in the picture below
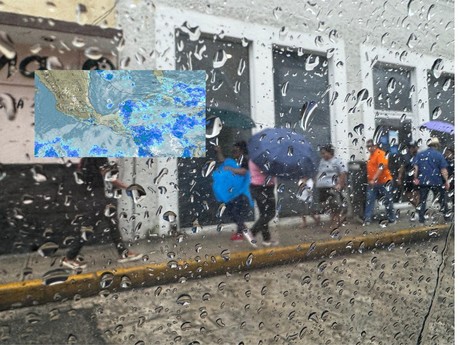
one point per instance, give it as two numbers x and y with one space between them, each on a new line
120 113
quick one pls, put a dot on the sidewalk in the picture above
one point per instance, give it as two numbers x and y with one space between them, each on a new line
32 279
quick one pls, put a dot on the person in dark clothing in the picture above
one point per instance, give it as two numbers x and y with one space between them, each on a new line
406 175
237 207
92 204
431 174
449 155
263 191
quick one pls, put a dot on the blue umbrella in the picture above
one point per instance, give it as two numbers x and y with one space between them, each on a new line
439 126
284 153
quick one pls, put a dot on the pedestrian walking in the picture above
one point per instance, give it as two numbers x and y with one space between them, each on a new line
330 182
431 174
263 192
379 183
92 205
237 205
308 194
406 175
449 155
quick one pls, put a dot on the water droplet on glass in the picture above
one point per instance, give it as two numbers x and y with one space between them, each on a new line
137 192
7 46
220 322
447 84
358 129
311 62
110 210
313 317
170 216
78 42
225 254
54 314
319 41
334 97
186 326
241 67
162 173
383 38
213 127
410 11
184 300
306 280
72 339
125 282
56 276
306 114
78 177
106 280
48 249
8 105
93 53
411 41
436 113
391 86
111 175
302 332
220 58
27 199
322 266
194 33
249 260
330 53
221 210
437 68
208 168
124 62
284 88
199 53
281 188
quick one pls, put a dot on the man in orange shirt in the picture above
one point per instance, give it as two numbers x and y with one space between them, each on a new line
379 183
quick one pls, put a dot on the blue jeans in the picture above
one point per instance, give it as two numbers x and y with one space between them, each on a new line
437 190
379 190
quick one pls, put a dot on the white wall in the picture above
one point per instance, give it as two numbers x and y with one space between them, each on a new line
382 30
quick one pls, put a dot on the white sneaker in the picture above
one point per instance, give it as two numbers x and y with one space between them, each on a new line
248 235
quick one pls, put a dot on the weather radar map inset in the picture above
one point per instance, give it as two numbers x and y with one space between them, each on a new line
120 113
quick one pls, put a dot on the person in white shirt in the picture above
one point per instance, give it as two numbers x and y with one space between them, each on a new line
330 182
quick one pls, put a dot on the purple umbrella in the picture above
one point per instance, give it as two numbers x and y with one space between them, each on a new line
439 126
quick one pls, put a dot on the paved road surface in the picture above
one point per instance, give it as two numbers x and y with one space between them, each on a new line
392 296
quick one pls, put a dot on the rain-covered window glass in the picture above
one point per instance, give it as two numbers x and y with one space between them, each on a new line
392 88
227 96
442 108
441 93
300 78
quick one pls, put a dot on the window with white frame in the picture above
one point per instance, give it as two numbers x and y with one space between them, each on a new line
392 88
226 62
300 77
441 91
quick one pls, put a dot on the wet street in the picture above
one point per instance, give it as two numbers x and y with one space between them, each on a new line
398 295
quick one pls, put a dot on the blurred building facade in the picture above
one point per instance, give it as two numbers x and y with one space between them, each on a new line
373 69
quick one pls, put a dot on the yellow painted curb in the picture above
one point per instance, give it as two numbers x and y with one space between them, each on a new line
35 292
